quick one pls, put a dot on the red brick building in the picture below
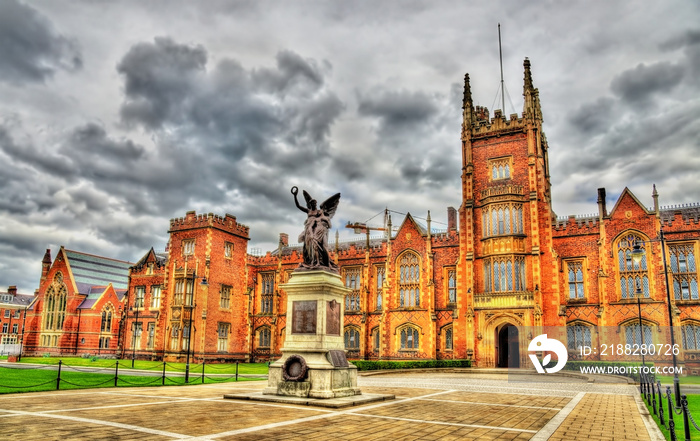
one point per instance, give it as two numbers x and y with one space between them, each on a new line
13 312
79 305
504 261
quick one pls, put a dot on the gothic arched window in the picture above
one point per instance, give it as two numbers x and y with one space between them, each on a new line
632 275
409 280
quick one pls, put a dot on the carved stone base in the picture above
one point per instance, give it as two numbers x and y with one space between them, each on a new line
323 379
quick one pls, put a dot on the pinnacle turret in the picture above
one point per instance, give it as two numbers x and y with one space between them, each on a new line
467 105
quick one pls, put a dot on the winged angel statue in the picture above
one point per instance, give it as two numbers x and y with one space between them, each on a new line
316 227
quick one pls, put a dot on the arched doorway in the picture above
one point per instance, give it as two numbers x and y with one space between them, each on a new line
508 349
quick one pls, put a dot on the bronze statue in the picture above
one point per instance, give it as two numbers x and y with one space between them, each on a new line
315 235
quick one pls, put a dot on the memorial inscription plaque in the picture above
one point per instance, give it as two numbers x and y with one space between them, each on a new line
304 317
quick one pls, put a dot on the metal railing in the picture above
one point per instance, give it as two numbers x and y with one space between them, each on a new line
651 392
159 375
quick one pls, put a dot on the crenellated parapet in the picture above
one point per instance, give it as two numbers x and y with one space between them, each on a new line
573 225
193 220
498 125
684 214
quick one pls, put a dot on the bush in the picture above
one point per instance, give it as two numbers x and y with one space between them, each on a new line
373 365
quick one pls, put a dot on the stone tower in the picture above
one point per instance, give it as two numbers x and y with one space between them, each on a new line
506 267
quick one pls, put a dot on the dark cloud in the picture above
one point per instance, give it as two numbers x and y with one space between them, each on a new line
159 77
642 82
592 118
293 73
32 50
688 38
398 111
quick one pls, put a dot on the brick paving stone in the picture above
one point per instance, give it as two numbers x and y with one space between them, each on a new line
603 416
430 408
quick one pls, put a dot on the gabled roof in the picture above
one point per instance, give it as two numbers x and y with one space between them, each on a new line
158 258
627 193
94 271
15 301
421 229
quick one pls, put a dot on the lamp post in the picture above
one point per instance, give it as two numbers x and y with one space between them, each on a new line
24 320
135 331
189 328
639 311
637 255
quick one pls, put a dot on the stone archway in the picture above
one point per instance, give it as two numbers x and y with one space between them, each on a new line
508 346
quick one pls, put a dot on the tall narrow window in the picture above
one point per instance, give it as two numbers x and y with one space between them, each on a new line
576 280
139 295
55 304
188 247
375 339
151 335
409 339
448 339
451 286
185 338
381 274
179 292
136 329
106 325
189 292
225 297
223 332
156 291
228 250
264 338
685 277
352 281
691 337
268 289
352 339
632 275
409 280
174 336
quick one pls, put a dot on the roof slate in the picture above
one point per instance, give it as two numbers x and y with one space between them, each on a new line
90 271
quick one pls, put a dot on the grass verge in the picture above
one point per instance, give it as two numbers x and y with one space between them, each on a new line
693 406
209 368
34 380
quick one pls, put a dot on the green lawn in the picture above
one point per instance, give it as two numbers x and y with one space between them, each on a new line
14 380
210 368
668 379
693 406
33 380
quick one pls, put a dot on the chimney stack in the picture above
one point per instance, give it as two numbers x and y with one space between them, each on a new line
602 211
46 264
451 219
284 239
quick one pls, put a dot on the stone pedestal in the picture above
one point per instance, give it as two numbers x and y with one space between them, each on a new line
313 363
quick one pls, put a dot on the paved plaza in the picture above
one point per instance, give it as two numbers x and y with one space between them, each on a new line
428 406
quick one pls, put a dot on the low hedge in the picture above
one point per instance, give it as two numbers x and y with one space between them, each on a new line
374 365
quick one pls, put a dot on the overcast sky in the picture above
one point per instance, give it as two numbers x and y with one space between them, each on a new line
116 116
